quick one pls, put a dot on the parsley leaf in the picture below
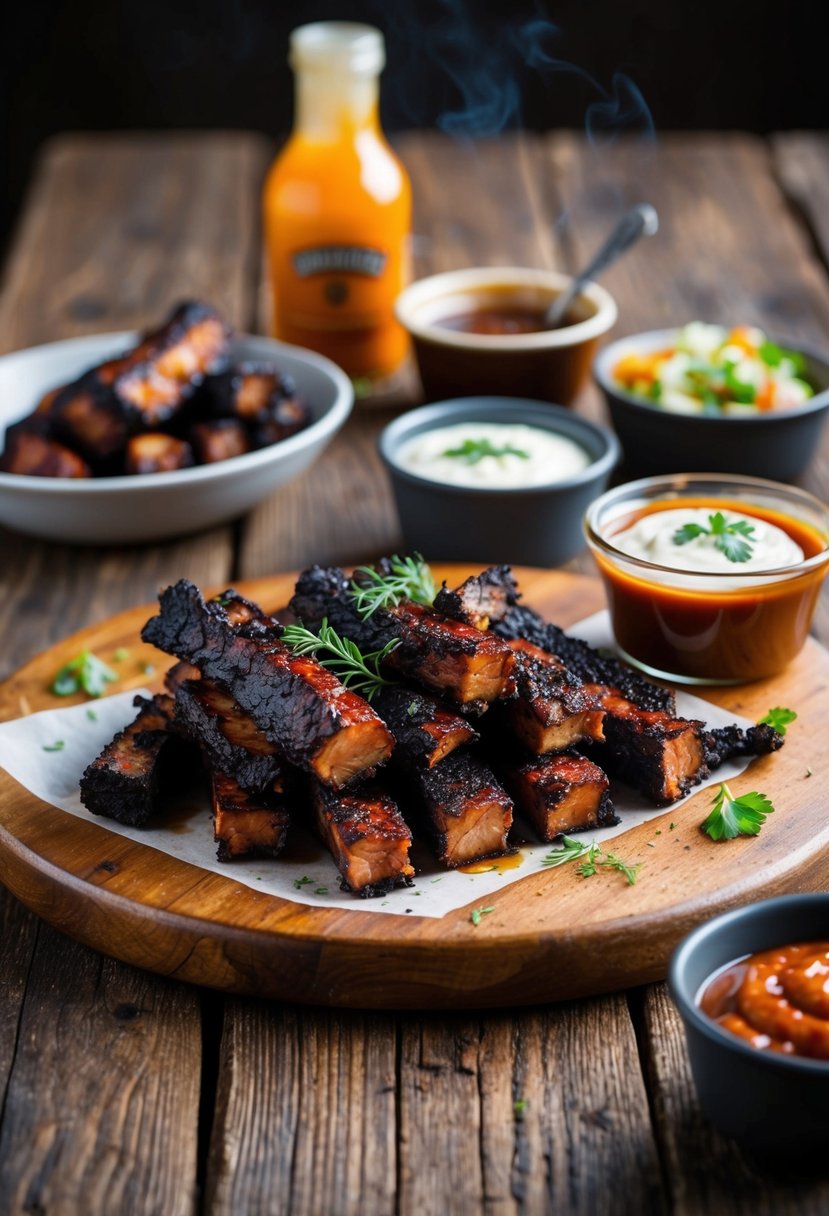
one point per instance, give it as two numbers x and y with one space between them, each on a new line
734 538
85 672
779 717
732 816
473 450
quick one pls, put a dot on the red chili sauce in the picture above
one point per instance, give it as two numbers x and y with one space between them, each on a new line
497 321
775 1001
727 635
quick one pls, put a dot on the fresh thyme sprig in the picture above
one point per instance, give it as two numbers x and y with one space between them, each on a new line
734 539
357 671
730 816
408 578
594 858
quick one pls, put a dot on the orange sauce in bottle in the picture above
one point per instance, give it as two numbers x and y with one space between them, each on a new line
337 207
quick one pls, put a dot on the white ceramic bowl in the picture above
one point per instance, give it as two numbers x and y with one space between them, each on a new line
150 506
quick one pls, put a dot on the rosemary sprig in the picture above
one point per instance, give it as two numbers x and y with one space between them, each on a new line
408 578
357 671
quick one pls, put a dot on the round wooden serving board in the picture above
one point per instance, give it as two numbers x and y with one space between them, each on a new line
550 936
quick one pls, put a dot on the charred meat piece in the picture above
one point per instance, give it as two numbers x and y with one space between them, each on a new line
156 452
424 731
553 709
284 419
219 440
482 599
450 657
466 811
260 396
723 742
245 823
366 835
560 794
587 664
155 378
123 782
657 753
89 417
35 455
317 723
229 738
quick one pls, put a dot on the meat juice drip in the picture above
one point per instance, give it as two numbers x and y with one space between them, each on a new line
777 1000
498 865
336 208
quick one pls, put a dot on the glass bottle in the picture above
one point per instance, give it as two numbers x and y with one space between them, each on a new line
337 207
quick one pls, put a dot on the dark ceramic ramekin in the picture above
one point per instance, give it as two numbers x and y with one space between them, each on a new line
536 526
776 1106
776 444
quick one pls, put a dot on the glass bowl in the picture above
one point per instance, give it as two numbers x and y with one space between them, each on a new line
699 626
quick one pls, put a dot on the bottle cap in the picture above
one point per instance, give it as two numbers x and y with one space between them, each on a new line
338 46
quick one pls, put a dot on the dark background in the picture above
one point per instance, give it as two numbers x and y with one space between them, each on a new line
600 64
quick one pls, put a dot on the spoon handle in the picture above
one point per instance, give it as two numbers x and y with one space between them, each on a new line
639 221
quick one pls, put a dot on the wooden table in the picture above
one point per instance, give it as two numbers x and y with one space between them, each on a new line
124 1092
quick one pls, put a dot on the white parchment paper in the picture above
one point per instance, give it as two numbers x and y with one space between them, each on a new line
305 873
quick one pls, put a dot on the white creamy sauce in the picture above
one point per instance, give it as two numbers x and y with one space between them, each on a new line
652 540
547 457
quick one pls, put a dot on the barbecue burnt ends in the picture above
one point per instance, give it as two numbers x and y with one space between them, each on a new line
282 740
172 401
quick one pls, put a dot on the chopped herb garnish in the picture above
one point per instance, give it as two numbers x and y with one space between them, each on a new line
407 578
321 890
57 746
302 882
594 856
473 450
808 772
120 654
147 668
92 715
588 867
476 914
357 671
732 816
615 863
85 673
571 850
734 539
779 717
519 1106
671 827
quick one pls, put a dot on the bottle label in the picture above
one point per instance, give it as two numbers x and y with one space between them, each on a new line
339 259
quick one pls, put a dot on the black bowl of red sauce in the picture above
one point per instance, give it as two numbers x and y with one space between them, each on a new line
752 988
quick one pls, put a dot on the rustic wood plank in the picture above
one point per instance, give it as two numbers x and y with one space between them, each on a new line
542 1112
705 1172
305 1114
100 1109
801 162
117 228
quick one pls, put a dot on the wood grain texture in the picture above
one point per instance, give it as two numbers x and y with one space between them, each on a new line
704 1172
528 1123
150 909
305 1114
94 1116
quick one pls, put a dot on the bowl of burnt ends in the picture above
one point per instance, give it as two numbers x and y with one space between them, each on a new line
543 364
776 444
539 525
775 1106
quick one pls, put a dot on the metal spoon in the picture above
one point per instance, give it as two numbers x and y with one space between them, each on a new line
640 220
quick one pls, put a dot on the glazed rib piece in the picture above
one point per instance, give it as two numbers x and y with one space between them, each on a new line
553 710
143 388
659 754
247 823
259 396
123 782
450 657
229 738
156 452
367 837
482 599
587 664
723 742
466 811
424 731
219 440
314 721
561 794
32 452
